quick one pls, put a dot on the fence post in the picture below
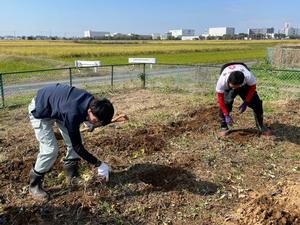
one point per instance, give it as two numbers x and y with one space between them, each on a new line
177 77
70 75
112 76
144 74
2 89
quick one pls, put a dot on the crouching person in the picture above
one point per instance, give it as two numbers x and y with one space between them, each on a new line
237 79
68 107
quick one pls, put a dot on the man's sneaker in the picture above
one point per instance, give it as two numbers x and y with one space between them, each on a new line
265 131
224 131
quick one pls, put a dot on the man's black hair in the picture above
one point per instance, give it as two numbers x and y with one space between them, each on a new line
236 78
102 109
233 63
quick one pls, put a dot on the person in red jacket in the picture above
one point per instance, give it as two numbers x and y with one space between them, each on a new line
237 79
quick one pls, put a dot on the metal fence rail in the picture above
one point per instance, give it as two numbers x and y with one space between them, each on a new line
17 87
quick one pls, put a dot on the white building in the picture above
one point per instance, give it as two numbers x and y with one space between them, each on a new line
95 34
291 31
182 32
189 38
220 31
156 36
120 35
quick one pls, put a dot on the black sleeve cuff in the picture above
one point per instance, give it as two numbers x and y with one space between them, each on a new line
98 163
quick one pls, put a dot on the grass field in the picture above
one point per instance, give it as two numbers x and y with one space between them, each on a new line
31 55
169 166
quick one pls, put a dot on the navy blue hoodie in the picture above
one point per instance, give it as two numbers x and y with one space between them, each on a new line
68 105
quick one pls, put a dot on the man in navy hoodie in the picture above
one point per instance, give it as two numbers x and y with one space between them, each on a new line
68 107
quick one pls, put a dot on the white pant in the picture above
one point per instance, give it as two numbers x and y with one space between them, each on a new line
44 133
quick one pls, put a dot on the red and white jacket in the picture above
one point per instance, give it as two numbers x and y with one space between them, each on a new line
222 84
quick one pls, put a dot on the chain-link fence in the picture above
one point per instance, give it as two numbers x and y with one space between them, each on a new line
17 88
193 78
278 84
285 56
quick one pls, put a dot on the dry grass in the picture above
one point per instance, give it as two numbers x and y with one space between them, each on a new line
193 177
287 56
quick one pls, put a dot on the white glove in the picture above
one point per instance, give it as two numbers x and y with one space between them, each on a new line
103 171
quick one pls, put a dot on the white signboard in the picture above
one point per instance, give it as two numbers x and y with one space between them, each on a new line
79 63
142 60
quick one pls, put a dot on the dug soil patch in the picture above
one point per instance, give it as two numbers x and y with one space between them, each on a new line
153 137
281 207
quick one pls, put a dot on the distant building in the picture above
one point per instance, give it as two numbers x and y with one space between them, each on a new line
120 35
291 31
205 35
145 36
263 31
140 36
182 32
156 36
166 36
95 34
189 38
220 31
9 37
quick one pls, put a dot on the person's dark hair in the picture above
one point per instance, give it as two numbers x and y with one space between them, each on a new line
236 78
102 109
233 63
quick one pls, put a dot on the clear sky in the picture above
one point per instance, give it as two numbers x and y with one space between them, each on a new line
73 17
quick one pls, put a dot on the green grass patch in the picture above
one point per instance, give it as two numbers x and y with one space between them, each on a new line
9 63
18 100
30 55
211 57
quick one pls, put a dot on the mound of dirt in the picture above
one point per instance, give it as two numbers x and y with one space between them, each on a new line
153 137
281 208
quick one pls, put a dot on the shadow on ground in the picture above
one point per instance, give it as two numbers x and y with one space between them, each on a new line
286 132
163 178
244 132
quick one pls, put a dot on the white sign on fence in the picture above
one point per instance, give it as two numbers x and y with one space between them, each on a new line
142 60
80 63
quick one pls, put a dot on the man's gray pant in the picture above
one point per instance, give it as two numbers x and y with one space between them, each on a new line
44 133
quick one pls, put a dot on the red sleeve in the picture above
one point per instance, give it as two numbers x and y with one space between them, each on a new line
222 103
250 93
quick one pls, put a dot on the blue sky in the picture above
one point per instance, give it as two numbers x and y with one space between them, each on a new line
72 17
